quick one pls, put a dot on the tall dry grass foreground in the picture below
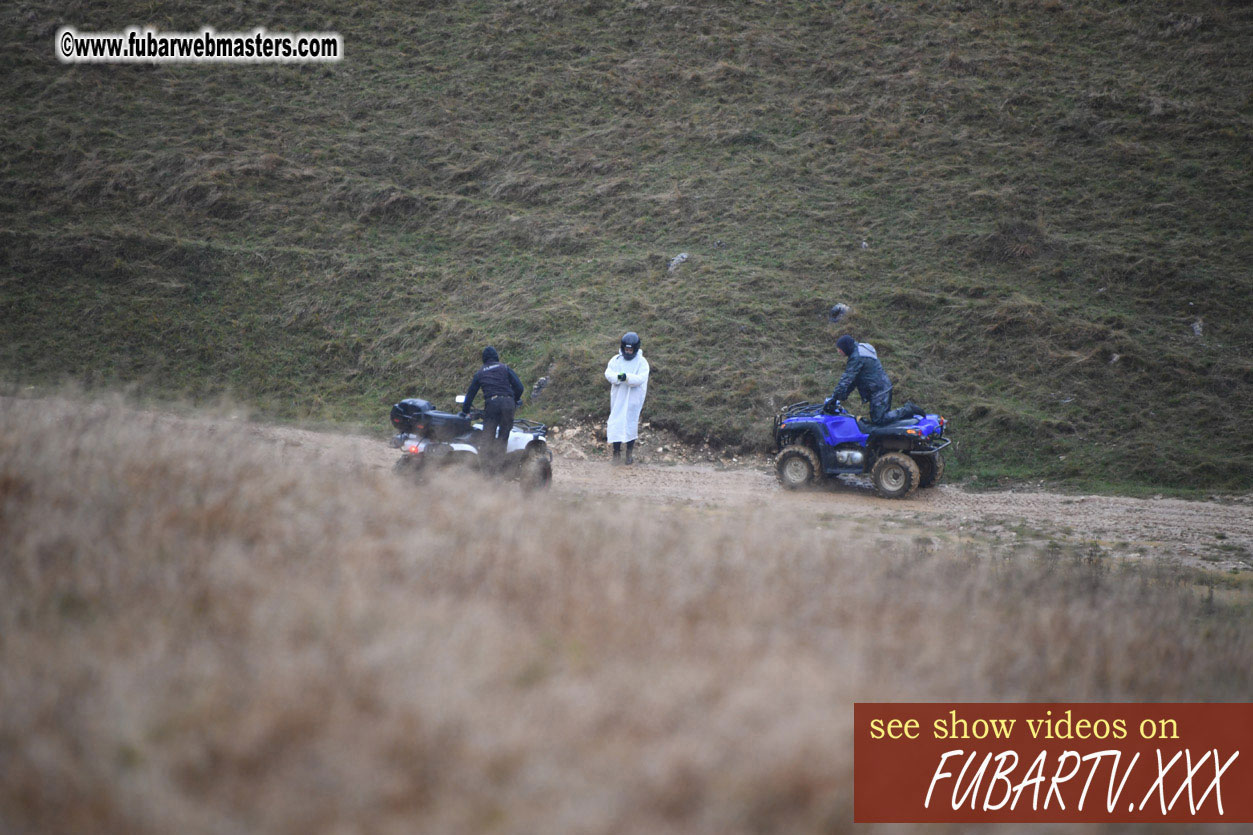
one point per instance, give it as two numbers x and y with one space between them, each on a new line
199 634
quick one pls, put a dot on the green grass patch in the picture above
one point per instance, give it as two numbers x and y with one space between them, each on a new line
1055 216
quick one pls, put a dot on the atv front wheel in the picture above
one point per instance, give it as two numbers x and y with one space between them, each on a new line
796 466
895 475
537 473
932 469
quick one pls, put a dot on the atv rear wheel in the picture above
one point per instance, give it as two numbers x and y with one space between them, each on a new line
932 469
895 475
797 466
409 466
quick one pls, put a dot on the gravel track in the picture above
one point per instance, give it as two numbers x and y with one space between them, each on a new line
1215 534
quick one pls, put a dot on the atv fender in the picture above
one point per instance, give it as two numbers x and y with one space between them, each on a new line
813 434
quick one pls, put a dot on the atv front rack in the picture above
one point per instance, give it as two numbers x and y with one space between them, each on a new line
801 408
532 426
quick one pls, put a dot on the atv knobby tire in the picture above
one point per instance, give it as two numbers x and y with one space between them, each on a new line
797 467
409 466
932 469
895 475
536 473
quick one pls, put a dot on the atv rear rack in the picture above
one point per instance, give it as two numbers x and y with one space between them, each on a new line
933 449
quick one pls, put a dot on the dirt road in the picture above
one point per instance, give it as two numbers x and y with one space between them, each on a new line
1211 534
1217 535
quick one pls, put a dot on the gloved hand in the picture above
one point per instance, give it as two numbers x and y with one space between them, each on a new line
464 413
622 377
517 404
830 406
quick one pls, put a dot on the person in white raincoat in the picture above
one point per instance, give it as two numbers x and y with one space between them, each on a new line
627 374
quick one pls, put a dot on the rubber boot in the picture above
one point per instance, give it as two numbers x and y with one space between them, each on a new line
617 452
630 450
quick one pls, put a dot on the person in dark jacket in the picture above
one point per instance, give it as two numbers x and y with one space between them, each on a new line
865 373
502 392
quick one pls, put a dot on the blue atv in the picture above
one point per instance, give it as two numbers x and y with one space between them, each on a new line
817 441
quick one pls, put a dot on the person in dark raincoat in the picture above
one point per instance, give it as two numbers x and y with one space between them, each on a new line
865 373
502 392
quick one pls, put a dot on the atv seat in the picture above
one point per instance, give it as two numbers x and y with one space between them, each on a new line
447 425
888 429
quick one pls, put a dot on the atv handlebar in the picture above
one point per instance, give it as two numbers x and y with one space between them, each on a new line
532 426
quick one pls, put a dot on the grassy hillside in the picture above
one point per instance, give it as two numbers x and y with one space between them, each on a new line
1055 198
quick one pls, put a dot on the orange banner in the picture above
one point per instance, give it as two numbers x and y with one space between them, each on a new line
1086 762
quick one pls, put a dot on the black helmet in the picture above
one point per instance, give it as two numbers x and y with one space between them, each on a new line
630 346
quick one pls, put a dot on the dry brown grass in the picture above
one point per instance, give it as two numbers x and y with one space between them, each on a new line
198 633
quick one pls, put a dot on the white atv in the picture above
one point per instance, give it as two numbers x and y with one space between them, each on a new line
427 437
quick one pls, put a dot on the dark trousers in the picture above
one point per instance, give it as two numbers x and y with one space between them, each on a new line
497 424
880 407
881 411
